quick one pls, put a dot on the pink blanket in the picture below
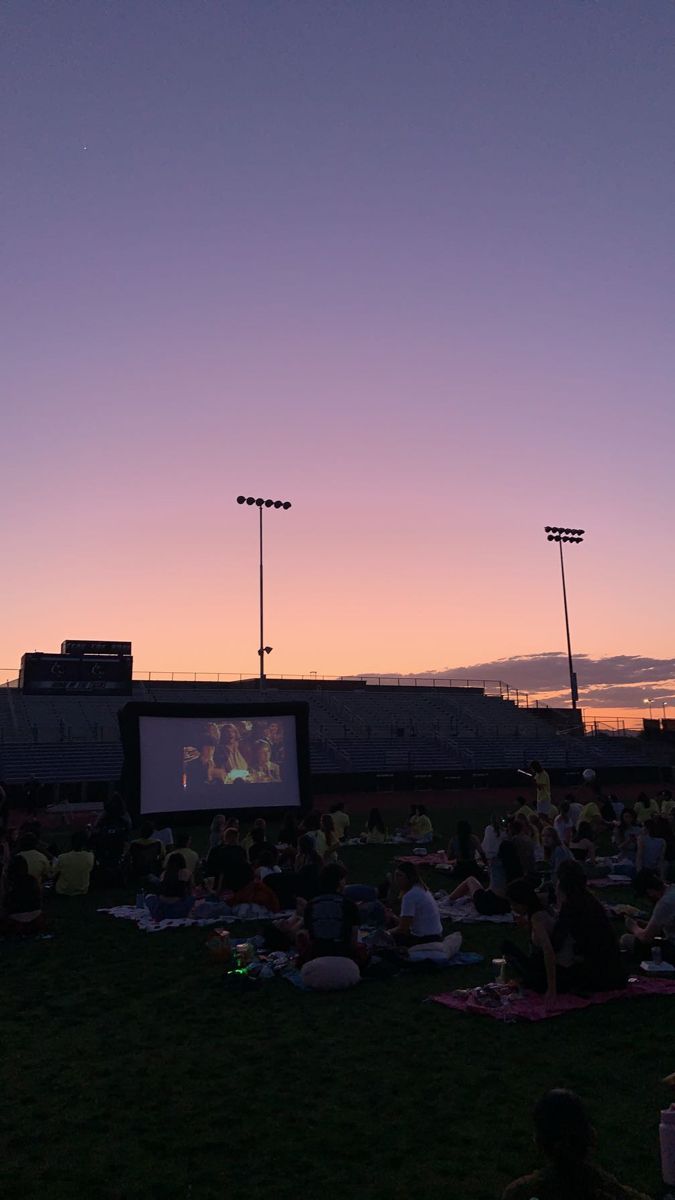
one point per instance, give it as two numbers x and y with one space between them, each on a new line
530 1007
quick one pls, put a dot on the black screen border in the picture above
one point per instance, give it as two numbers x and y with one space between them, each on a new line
130 731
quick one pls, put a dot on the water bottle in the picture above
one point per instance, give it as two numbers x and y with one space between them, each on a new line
667 1140
657 951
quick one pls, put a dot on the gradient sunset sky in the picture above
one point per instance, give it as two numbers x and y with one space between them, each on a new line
407 264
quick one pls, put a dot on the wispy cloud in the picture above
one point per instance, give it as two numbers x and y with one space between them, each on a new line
617 681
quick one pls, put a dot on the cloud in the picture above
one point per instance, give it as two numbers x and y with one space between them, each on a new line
617 681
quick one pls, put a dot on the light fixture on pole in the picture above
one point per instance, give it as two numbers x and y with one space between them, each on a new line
556 534
261 504
651 713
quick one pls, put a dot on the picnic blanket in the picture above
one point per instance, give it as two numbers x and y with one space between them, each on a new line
610 881
144 921
433 859
528 1006
463 912
463 958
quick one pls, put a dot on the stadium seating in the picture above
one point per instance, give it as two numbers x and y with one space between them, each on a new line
380 730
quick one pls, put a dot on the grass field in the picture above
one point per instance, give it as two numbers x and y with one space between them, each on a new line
129 1071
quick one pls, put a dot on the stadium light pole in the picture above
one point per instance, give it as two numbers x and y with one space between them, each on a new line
261 504
555 534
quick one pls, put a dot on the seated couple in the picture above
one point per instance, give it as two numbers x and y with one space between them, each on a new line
572 948
328 924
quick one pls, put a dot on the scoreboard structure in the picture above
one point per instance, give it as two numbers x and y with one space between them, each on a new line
98 668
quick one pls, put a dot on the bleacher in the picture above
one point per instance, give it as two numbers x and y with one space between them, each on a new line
359 730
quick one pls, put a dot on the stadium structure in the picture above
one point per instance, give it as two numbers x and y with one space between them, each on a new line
59 727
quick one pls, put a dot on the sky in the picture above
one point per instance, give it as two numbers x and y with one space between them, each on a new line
407 265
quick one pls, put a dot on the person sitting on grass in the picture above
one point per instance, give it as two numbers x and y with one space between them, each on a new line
566 1138
330 923
543 970
564 824
73 869
555 852
174 894
146 853
597 959
341 820
288 834
184 848
626 834
419 921
466 852
38 864
492 901
421 829
645 808
227 864
522 809
651 850
520 833
376 831
583 844
308 867
661 924
327 841
22 904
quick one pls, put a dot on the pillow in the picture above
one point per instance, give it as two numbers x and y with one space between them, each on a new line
330 974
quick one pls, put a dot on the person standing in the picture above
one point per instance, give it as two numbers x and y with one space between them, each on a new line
543 786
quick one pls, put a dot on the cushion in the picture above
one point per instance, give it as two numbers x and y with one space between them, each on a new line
330 974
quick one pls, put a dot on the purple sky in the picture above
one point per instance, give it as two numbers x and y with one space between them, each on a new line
409 265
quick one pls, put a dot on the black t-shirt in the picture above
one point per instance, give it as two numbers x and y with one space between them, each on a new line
24 896
174 889
330 920
307 880
228 863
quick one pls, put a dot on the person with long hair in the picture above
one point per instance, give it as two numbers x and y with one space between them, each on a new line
327 841
376 831
582 919
218 826
174 895
543 970
419 921
555 851
492 901
308 867
466 851
227 755
564 1135
288 834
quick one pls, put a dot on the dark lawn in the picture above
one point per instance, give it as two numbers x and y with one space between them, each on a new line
130 1071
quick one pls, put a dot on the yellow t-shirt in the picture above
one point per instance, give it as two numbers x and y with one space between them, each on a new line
421 825
341 823
190 856
525 811
588 813
644 811
74 870
543 786
38 864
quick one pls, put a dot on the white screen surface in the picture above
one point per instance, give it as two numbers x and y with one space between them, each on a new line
220 763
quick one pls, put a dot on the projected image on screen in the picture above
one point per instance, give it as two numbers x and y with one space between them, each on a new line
226 752
219 762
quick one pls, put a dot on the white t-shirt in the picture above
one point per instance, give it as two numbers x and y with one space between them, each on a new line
575 812
491 841
419 904
664 912
564 826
